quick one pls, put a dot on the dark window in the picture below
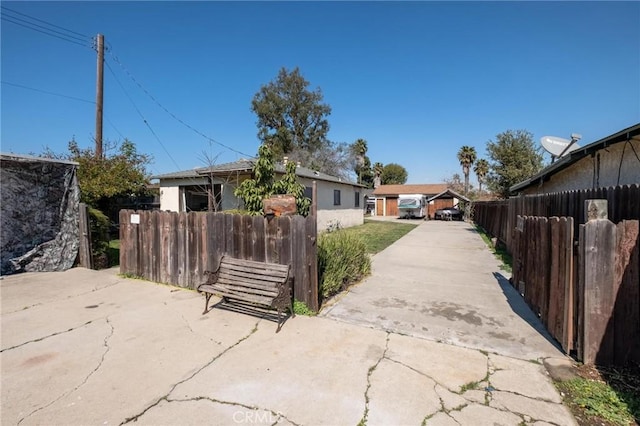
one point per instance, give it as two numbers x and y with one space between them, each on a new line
357 199
336 197
308 193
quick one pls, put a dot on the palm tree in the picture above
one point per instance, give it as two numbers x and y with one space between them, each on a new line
377 172
377 169
467 156
360 151
481 169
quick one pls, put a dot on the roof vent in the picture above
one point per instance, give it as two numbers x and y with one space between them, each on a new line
317 173
285 160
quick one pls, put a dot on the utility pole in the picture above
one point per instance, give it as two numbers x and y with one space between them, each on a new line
99 87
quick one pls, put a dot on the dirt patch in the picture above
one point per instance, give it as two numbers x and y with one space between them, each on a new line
39 359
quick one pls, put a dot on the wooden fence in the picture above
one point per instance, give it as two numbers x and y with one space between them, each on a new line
587 296
176 248
543 273
499 217
609 286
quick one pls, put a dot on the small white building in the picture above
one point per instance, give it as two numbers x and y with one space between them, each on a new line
339 202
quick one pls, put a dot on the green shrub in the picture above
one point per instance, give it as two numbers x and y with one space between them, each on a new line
342 260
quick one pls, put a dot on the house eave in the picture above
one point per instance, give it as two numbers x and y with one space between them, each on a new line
629 133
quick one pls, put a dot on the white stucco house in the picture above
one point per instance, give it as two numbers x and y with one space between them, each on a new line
610 161
339 202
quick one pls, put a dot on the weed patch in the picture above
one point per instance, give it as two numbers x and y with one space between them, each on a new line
301 308
603 395
499 252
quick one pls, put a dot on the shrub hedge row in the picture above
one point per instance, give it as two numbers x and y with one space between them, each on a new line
342 260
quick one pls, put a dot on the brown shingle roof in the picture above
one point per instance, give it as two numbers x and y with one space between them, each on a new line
425 189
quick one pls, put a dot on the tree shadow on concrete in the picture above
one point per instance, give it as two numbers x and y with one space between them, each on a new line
520 307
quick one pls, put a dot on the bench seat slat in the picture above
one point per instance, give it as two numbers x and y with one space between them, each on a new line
244 283
232 293
225 285
271 292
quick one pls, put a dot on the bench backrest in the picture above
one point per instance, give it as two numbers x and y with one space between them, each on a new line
248 273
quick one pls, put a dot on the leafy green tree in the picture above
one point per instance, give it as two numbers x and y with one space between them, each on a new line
290 116
292 120
513 157
481 169
467 156
393 173
263 184
121 171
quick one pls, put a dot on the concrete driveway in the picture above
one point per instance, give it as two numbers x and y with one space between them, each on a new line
440 282
88 347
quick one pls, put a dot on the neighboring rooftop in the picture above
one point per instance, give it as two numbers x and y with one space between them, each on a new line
244 165
425 189
452 193
630 133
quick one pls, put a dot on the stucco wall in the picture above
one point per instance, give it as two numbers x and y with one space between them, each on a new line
345 218
169 198
596 171
347 195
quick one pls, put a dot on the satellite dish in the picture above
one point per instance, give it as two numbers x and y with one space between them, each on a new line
558 146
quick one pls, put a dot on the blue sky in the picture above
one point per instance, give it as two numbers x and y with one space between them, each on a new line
417 80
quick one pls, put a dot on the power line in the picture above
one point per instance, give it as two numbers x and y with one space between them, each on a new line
141 115
47 92
48 32
45 22
115 128
47 29
115 58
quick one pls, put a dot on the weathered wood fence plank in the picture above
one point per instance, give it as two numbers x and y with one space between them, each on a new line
627 303
599 296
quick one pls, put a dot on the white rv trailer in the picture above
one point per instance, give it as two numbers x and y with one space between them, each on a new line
412 205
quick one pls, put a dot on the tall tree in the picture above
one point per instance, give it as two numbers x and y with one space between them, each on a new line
513 157
362 163
378 167
393 173
481 169
467 156
290 116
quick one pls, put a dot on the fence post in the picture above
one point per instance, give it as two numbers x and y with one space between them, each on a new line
84 227
599 297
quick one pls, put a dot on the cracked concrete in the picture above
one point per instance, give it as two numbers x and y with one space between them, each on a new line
95 348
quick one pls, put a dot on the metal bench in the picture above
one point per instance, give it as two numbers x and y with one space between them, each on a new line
257 283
